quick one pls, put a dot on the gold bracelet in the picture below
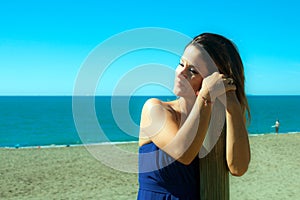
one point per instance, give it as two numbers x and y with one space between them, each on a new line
207 101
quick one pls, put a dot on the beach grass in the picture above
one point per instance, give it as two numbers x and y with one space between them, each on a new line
73 173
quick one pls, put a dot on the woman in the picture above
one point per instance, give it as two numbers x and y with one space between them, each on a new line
172 133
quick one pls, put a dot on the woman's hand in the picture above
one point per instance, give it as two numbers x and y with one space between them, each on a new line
215 86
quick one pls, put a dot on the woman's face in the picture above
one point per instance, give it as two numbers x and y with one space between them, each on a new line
190 72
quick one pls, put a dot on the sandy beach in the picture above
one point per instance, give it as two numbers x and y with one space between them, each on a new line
73 173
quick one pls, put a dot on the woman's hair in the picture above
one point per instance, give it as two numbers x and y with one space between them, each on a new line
225 55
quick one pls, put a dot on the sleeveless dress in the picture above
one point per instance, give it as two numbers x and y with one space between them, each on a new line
163 178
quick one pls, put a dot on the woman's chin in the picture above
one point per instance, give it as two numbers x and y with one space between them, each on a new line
177 92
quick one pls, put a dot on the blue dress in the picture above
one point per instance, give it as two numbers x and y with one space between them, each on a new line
163 178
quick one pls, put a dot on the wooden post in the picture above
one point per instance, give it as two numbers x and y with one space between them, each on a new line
214 179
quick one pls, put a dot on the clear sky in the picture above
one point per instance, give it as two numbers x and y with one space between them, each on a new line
44 43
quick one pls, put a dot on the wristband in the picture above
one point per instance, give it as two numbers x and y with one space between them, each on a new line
206 101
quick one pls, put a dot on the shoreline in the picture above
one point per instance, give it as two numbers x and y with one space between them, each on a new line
68 145
117 142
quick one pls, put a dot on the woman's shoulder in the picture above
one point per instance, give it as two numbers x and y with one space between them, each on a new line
155 114
156 101
147 118
152 102
156 109
157 105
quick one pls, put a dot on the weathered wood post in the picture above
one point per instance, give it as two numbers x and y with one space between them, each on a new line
214 179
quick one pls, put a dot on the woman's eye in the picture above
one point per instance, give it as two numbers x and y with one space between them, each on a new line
193 71
181 64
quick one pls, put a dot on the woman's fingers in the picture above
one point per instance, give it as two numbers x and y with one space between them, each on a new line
218 84
229 83
214 85
230 87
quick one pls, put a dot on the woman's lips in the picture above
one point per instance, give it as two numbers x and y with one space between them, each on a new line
181 81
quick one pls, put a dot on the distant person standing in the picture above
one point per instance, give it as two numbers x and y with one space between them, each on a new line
277 124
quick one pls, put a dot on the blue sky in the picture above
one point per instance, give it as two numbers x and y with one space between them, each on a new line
44 43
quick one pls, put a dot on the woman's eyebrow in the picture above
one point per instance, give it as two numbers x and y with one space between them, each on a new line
184 60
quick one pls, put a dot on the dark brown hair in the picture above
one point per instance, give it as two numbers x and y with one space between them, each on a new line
226 56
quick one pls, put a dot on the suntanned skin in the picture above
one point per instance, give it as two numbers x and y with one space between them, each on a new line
179 127
237 141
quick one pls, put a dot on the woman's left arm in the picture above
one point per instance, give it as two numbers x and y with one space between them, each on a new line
237 141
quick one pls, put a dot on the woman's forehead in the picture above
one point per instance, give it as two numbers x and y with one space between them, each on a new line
192 55
199 58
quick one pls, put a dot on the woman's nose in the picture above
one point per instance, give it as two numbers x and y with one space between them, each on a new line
182 71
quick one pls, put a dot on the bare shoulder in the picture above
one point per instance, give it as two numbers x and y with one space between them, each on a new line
155 101
152 103
155 115
146 120
157 106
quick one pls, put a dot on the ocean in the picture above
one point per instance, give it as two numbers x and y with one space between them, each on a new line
48 120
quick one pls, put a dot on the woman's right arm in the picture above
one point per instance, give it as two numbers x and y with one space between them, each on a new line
160 126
